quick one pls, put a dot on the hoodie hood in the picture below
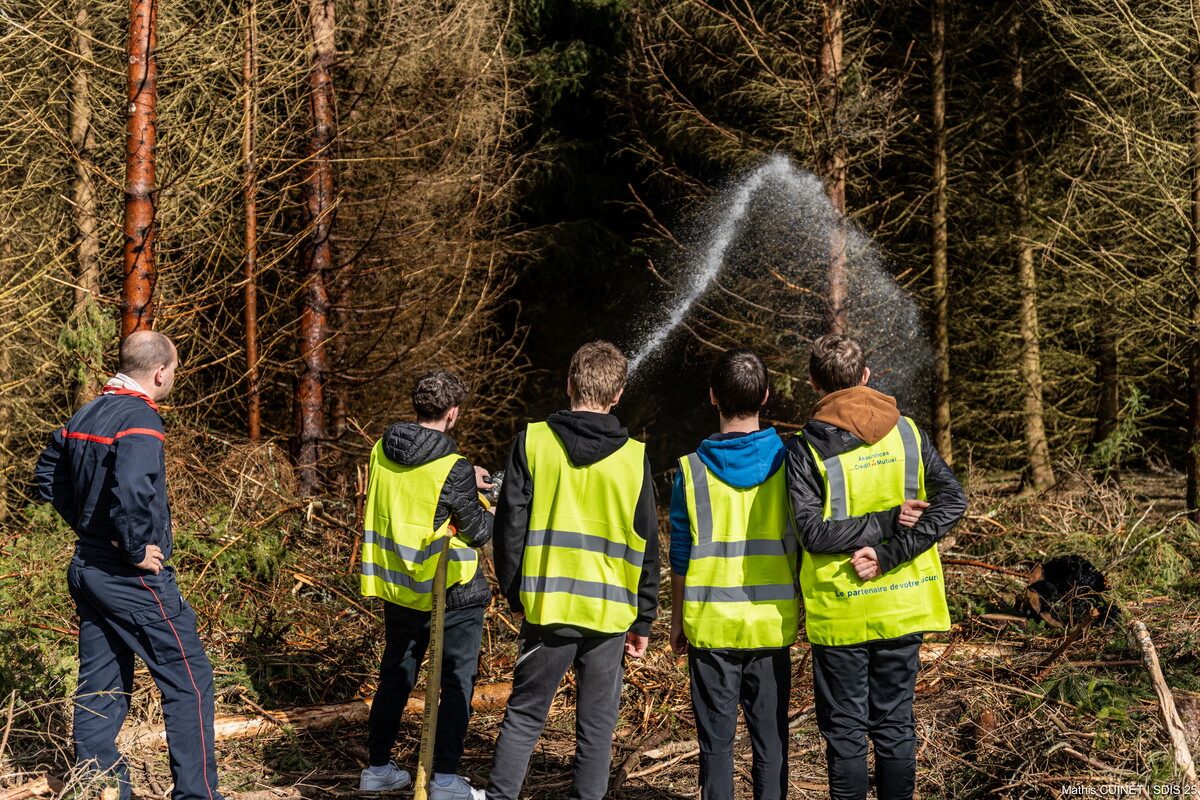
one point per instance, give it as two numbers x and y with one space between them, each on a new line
588 436
743 461
412 445
867 414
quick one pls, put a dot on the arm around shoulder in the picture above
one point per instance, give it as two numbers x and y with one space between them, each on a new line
806 491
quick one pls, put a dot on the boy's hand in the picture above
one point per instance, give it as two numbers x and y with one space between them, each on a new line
910 512
480 475
635 646
866 564
679 642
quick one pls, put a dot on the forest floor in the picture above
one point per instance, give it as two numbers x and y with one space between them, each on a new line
1004 709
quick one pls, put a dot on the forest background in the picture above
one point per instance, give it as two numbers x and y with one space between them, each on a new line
346 194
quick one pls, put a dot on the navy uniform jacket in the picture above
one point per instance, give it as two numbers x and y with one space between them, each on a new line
104 472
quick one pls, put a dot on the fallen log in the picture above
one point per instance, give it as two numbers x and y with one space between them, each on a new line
39 787
933 650
1166 705
311 718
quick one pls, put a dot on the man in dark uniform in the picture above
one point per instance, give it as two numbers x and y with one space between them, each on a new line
104 472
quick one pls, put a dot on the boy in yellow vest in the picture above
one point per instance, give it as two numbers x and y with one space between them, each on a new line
733 582
576 552
419 486
871 499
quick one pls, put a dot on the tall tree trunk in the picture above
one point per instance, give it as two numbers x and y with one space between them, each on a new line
1108 398
1193 433
941 304
137 299
830 68
250 164
1037 449
316 256
83 200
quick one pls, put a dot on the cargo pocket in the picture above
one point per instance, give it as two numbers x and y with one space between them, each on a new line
168 629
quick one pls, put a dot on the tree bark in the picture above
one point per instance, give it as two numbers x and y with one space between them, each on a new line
316 255
1108 399
83 196
939 247
830 69
250 165
1193 432
137 300
1037 449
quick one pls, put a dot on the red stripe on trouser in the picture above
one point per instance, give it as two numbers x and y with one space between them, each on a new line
195 688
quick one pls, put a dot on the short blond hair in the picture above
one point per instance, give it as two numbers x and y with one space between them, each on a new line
597 374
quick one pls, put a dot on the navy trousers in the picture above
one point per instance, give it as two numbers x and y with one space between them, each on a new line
866 690
407 632
125 611
760 681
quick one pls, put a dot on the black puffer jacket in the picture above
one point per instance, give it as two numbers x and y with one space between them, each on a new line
893 543
588 437
411 444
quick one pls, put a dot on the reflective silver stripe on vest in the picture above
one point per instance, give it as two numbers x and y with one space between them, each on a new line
743 548
704 519
912 460
397 578
540 584
837 488
414 556
584 541
739 594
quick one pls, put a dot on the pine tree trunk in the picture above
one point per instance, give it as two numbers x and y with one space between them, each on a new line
1037 449
830 67
137 300
1108 397
316 257
83 197
250 164
1193 433
941 305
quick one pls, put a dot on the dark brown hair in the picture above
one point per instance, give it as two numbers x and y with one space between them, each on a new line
837 362
435 393
739 383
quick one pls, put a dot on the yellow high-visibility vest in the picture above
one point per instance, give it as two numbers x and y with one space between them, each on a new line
400 545
838 607
740 588
583 560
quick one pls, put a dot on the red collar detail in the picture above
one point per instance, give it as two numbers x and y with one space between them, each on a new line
131 393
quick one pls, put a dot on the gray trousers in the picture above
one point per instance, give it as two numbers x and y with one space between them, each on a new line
542 662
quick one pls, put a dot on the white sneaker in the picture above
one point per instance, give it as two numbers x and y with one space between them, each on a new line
459 789
395 778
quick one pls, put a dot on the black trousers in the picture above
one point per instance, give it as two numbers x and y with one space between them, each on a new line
123 612
407 638
543 659
866 690
760 681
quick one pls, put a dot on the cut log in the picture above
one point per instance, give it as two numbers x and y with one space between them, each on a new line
312 718
1166 705
45 785
933 650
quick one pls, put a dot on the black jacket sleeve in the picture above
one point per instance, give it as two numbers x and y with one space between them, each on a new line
53 474
947 504
136 472
460 497
645 524
512 523
817 535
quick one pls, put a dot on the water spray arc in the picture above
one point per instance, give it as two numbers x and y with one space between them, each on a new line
777 232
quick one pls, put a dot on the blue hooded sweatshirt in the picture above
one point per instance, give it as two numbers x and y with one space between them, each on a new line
738 459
